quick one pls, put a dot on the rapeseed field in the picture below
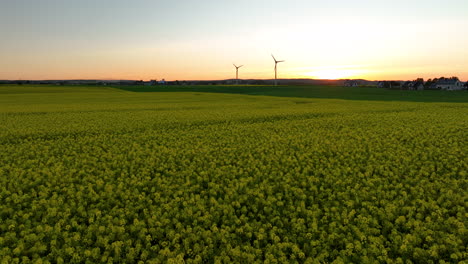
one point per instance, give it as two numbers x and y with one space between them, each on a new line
107 175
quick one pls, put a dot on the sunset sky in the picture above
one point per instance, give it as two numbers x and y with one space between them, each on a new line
200 39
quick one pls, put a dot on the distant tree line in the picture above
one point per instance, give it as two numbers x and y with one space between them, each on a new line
419 84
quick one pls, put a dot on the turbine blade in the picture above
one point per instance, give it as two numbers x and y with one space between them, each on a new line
273 57
241 66
234 65
281 61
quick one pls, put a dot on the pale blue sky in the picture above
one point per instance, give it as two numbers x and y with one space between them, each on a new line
200 39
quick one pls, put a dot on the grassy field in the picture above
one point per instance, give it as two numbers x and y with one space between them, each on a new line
328 92
217 175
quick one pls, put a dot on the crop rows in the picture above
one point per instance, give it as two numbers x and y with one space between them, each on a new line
187 178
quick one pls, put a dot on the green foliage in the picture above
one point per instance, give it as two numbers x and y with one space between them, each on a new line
106 176
330 92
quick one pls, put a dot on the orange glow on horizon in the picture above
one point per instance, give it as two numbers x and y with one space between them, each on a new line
334 74
347 40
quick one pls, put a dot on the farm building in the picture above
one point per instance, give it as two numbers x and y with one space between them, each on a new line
151 83
413 85
405 85
394 85
351 83
449 84
416 85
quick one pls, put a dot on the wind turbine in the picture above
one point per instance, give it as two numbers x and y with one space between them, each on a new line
237 72
276 66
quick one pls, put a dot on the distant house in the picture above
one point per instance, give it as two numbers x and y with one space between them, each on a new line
466 86
416 85
351 83
151 83
413 85
392 85
405 85
431 86
162 82
449 84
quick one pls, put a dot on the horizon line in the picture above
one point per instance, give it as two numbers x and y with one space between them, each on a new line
210 80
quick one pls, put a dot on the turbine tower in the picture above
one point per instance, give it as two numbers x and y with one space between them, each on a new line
237 72
276 67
